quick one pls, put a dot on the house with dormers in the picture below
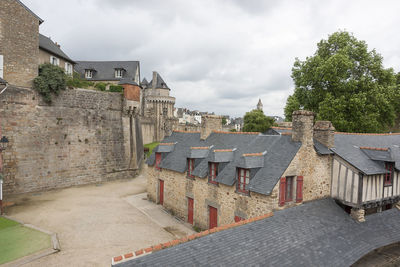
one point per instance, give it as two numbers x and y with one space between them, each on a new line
216 179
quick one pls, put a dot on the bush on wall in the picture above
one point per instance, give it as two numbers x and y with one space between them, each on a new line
116 88
101 86
77 82
50 81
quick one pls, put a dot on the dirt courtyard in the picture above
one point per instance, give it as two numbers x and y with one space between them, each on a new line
96 222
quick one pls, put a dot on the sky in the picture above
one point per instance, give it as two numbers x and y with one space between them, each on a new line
217 55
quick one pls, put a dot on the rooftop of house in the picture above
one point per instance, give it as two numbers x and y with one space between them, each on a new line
317 233
155 83
105 70
268 156
45 43
367 152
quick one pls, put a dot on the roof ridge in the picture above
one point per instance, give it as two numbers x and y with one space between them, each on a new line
166 144
345 133
149 250
180 131
199 147
252 154
281 128
224 132
223 150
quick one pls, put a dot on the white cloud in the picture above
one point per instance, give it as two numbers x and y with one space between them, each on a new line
217 56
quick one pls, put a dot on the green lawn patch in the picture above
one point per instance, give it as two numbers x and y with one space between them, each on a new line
151 146
17 241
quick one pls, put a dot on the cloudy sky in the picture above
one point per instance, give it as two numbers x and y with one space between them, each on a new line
217 55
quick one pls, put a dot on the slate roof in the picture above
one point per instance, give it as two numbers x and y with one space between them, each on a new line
158 83
105 70
48 45
347 146
317 233
30 11
265 171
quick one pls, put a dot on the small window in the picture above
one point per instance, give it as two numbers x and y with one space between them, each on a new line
190 168
68 68
389 176
243 180
88 74
54 60
158 161
213 172
119 73
289 189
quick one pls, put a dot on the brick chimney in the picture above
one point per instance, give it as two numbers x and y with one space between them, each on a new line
324 132
302 126
210 123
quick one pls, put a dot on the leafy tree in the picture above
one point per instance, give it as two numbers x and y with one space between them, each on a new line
224 121
345 83
50 81
256 121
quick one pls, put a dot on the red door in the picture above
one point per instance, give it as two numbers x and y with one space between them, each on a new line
161 192
190 210
213 217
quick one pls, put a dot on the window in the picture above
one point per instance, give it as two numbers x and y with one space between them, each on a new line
190 168
389 175
119 73
88 74
243 180
158 161
68 68
289 189
54 60
213 172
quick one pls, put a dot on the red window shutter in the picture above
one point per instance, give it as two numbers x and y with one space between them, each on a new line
282 191
158 160
299 189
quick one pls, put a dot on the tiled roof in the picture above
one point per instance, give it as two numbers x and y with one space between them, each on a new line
317 233
105 70
47 44
265 171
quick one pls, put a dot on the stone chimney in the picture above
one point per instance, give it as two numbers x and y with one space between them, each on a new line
324 132
302 126
210 123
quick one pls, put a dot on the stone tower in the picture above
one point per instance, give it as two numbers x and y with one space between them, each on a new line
259 105
157 109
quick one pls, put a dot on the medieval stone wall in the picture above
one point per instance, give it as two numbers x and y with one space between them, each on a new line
19 43
83 137
177 189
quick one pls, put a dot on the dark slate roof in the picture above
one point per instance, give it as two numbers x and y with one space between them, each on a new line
105 70
265 171
30 11
317 233
381 155
347 146
127 81
159 82
48 45
321 148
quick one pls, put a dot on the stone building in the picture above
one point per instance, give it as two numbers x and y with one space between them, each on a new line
212 178
157 109
19 43
50 52
259 105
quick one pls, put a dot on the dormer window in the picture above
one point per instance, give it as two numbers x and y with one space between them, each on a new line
119 73
389 176
213 172
88 74
243 180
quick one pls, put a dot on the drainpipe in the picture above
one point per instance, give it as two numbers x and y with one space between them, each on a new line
1 155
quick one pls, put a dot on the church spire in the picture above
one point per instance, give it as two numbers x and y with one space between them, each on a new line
259 104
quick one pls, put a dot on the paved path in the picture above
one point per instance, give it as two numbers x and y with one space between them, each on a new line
96 222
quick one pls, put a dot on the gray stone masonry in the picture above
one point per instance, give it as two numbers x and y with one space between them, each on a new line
324 132
358 214
302 126
210 123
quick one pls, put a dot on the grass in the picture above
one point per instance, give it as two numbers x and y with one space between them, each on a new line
17 241
151 146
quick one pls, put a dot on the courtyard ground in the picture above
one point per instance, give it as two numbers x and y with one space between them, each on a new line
96 222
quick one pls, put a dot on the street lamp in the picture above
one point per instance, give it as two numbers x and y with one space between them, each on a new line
3 146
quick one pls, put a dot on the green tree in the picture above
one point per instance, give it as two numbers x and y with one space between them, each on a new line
256 121
345 83
224 121
50 81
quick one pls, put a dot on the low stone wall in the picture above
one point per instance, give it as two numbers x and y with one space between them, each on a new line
82 137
